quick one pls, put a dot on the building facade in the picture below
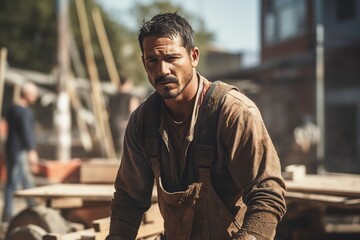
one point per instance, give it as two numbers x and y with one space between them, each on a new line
309 74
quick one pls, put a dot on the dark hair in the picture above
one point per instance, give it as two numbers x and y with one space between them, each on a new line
168 25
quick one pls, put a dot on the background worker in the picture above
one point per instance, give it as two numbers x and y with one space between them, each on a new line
21 155
231 189
120 106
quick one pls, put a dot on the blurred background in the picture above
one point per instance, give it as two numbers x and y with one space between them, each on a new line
298 60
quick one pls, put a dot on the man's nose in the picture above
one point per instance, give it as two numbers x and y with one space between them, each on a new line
163 68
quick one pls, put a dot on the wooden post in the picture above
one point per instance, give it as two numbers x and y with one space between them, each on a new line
3 57
100 109
105 47
62 112
16 92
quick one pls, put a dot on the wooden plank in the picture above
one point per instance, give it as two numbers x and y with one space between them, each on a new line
3 57
328 184
324 200
69 236
89 192
101 235
66 202
153 225
99 103
342 228
99 171
101 225
105 47
88 236
150 229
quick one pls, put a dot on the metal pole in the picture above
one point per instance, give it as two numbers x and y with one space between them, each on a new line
320 92
320 103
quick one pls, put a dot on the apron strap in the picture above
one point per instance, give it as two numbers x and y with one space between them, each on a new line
206 137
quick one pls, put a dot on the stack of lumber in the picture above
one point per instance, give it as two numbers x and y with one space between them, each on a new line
334 189
151 226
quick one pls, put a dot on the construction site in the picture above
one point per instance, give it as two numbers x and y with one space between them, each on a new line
305 84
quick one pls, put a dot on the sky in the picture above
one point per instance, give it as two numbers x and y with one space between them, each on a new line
235 23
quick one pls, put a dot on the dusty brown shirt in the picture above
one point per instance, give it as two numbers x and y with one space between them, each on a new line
247 166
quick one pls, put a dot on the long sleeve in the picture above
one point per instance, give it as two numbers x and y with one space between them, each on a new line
254 166
27 129
133 185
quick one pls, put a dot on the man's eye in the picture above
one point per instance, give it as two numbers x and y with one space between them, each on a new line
152 60
171 59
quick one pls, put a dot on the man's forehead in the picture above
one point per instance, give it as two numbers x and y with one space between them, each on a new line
153 43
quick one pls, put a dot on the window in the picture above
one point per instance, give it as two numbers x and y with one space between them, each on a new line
284 19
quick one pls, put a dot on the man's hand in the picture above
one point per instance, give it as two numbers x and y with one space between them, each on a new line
33 161
243 236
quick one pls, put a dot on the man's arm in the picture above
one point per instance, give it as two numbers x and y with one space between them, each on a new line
133 185
29 139
255 168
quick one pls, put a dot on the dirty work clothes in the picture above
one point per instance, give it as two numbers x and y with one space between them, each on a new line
20 139
246 168
197 212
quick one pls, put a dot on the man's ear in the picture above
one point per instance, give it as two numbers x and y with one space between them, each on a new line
195 56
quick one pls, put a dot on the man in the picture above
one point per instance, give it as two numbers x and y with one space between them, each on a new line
231 189
21 156
120 106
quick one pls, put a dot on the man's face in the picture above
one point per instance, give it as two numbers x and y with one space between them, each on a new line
31 95
168 64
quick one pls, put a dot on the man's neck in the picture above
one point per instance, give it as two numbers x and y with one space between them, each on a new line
22 102
182 106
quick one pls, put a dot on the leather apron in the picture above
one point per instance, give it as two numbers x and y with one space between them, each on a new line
196 213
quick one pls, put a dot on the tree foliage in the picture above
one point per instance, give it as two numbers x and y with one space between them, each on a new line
28 29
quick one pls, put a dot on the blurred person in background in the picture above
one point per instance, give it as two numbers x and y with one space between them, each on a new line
21 155
120 106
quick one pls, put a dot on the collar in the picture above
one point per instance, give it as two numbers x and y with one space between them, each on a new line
203 86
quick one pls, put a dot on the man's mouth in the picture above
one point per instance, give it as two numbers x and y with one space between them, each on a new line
166 80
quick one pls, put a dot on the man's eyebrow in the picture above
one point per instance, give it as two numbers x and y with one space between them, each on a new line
152 56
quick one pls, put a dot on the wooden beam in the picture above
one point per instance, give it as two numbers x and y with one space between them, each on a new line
3 57
98 171
101 113
66 202
105 47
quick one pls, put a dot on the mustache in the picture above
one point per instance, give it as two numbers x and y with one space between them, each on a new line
166 79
